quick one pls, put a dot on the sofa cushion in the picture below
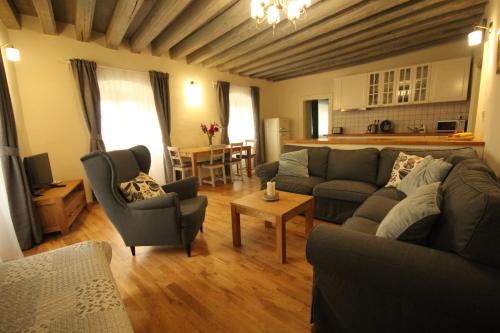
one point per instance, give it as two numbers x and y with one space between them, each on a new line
403 165
388 157
391 193
294 164
376 208
300 185
318 159
429 171
411 220
140 188
361 224
347 190
470 220
359 164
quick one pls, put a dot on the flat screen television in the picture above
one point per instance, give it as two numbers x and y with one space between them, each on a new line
38 172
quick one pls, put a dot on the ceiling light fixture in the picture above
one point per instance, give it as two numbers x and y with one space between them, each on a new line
11 53
272 10
476 36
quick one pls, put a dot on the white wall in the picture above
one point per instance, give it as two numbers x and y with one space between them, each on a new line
47 108
488 110
292 92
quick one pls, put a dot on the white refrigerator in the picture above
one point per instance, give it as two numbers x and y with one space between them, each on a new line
276 131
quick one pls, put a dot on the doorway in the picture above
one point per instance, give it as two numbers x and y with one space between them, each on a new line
317 118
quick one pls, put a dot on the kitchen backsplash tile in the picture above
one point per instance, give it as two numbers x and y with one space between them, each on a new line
402 116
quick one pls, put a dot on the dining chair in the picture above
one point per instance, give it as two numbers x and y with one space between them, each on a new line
178 163
216 162
252 143
234 158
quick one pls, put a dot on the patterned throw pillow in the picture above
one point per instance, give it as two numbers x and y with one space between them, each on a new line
402 166
140 188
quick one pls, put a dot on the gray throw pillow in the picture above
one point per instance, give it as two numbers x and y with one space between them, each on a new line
411 220
294 163
428 171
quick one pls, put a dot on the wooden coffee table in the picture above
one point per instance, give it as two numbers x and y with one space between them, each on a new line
288 206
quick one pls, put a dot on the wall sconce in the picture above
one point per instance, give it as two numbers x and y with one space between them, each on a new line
11 53
193 93
476 37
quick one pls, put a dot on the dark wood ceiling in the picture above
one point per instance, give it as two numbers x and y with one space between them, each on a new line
220 33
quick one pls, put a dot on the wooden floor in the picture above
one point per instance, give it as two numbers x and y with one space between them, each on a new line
218 289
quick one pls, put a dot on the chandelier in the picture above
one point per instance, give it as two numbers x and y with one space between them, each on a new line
271 10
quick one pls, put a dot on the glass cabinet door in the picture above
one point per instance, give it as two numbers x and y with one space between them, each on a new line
373 89
421 83
388 87
404 86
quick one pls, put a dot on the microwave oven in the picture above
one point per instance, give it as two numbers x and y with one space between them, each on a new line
450 126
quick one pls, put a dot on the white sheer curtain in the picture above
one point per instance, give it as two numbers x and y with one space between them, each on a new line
129 115
323 117
240 114
9 246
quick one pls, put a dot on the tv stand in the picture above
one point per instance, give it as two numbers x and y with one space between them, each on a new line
58 207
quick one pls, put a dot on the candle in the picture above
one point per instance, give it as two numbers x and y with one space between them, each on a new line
271 189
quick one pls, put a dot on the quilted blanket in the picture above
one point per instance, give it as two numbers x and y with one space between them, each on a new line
66 290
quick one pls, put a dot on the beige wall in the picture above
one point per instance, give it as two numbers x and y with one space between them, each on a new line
488 110
292 92
49 105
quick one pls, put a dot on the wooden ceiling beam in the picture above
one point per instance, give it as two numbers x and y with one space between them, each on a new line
429 35
382 52
469 16
373 26
9 15
46 16
139 17
194 16
160 16
84 19
230 19
123 15
243 32
315 14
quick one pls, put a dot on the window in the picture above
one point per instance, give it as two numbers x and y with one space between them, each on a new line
241 123
129 116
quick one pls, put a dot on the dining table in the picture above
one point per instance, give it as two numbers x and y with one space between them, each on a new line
200 154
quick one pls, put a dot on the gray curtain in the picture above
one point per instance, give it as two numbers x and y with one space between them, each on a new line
28 230
85 74
161 92
223 92
259 144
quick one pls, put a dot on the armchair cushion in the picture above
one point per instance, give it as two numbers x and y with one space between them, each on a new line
164 201
140 188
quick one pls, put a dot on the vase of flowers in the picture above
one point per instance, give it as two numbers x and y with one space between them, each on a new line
210 131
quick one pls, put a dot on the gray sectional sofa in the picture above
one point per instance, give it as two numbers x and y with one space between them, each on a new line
365 283
341 180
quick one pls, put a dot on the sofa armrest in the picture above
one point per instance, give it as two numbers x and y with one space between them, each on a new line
186 188
266 172
421 275
164 201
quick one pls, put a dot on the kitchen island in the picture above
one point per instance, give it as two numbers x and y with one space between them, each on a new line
379 141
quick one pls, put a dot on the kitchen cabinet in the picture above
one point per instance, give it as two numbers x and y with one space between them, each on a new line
421 83
373 89
388 82
450 80
350 92
404 86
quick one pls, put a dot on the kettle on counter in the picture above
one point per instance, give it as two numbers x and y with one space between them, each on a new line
373 128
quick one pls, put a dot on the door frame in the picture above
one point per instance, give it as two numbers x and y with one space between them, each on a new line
303 111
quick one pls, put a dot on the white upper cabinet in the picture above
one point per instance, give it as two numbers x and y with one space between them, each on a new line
442 81
373 89
421 83
404 85
350 92
450 80
387 88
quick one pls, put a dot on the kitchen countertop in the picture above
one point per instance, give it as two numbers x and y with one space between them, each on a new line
389 139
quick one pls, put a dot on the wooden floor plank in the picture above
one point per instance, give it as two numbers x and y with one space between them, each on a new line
218 289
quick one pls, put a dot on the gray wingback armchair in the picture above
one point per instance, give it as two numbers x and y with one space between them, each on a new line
172 219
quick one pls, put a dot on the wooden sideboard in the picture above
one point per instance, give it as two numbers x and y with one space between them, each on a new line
59 207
